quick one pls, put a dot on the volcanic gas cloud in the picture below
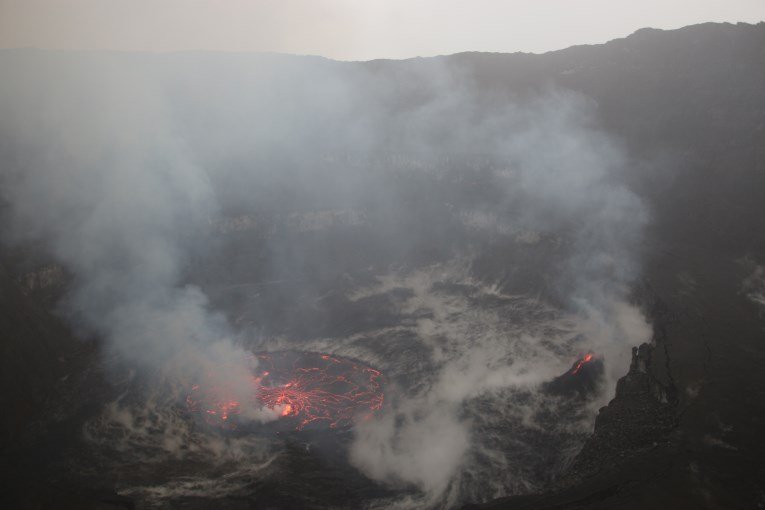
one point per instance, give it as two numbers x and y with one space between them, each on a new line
310 389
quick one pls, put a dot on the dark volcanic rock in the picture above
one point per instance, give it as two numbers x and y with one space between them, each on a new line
582 379
630 432
639 418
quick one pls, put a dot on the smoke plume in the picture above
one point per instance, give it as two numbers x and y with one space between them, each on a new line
118 164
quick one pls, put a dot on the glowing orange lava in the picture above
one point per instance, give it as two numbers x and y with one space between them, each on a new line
310 388
586 359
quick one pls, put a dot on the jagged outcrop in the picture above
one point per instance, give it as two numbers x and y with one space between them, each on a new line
634 428
639 418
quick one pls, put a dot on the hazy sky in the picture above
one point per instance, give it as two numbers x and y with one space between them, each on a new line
349 29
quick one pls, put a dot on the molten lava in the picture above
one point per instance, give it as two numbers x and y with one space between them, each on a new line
579 364
309 388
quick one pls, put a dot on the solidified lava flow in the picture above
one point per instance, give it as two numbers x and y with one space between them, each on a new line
311 389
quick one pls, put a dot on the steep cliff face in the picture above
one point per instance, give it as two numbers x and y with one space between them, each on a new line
640 418
632 438
683 428
35 350
47 378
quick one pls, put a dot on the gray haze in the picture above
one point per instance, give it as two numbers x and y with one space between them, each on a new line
119 163
348 29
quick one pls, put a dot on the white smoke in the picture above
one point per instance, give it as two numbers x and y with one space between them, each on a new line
114 165
567 175
101 179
